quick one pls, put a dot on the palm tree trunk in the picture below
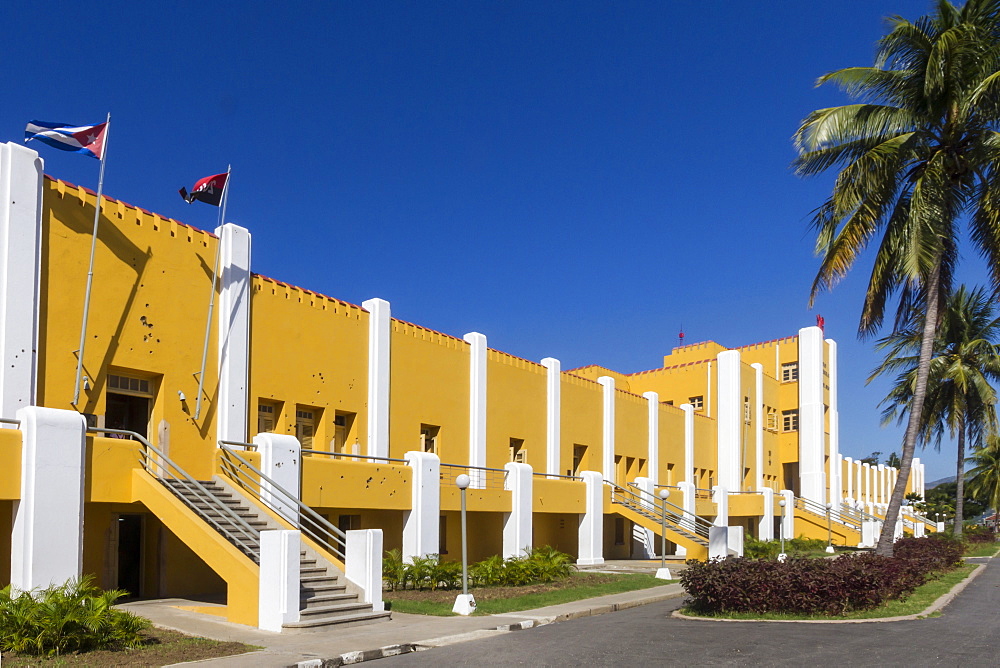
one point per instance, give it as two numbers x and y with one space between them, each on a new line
885 539
960 482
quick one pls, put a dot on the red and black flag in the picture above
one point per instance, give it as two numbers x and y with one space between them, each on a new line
208 190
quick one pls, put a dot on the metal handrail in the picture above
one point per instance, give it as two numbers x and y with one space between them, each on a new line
684 520
352 455
474 468
835 514
241 444
16 423
556 475
175 472
306 520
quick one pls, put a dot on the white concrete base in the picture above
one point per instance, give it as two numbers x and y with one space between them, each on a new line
782 556
363 564
663 574
829 549
718 542
517 524
280 460
422 522
47 537
735 541
465 604
278 597
591 531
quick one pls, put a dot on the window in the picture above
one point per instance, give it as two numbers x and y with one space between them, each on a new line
579 455
697 402
518 453
669 402
429 437
349 522
126 385
746 410
266 417
305 426
772 418
343 423
790 420
128 404
790 372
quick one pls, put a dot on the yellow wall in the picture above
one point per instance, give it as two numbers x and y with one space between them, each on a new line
581 419
10 464
516 404
331 482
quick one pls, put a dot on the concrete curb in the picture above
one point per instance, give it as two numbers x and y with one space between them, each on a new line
351 658
941 601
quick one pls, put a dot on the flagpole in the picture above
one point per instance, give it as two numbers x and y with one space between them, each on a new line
90 271
211 299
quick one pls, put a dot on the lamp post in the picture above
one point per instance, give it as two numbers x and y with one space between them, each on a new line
781 530
465 603
663 573
829 529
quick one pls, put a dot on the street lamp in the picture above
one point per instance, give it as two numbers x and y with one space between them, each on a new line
465 603
663 573
781 530
829 529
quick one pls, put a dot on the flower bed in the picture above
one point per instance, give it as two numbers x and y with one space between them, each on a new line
817 586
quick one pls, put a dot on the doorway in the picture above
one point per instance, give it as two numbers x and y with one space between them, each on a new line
128 404
130 554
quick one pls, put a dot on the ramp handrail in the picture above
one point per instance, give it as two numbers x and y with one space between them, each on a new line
835 513
350 455
16 423
161 467
681 520
926 520
266 491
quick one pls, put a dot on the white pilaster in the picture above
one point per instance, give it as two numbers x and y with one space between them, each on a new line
836 478
653 443
687 473
552 414
477 407
730 420
720 496
866 478
234 333
608 427
278 596
788 513
645 542
812 478
858 486
47 537
591 535
917 467
880 478
517 524
379 338
758 420
363 564
765 528
421 523
849 470
281 461
20 263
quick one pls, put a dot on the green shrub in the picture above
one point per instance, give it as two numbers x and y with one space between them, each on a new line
761 549
72 617
543 564
393 569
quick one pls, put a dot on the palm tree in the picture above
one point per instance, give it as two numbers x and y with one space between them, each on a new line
984 478
916 158
965 360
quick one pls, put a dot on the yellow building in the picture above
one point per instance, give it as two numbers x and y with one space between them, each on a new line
322 433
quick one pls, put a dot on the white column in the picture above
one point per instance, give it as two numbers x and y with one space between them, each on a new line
849 467
653 428
608 427
379 343
688 504
869 478
917 469
880 484
758 417
836 477
278 596
234 333
552 414
47 537
687 473
645 541
517 524
363 564
20 265
858 487
421 523
765 528
591 533
788 513
812 480
281 461
720 495
729 420
477 407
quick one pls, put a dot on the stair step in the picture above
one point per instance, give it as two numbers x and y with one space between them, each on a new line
341 620
312 570
336 609
324 599
323 589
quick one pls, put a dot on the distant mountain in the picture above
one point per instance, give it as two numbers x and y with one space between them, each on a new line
931 485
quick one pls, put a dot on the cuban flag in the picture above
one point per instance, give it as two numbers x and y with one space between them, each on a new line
85 139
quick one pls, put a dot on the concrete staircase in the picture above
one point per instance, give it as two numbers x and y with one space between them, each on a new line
325 596
630 506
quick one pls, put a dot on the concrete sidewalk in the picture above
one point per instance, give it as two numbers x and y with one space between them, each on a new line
403 633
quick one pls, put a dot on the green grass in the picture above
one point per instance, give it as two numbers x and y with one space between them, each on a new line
982 550
916 603
488 606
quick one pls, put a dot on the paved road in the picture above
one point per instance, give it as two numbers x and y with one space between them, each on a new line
967 634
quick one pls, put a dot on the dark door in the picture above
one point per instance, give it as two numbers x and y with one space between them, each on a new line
130 554
126 411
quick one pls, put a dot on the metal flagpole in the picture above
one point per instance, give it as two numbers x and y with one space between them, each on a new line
90 271
211 299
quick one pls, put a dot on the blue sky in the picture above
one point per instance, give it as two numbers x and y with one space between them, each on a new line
576 180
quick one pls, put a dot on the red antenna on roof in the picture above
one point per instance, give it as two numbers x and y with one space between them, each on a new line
820 322
680 338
